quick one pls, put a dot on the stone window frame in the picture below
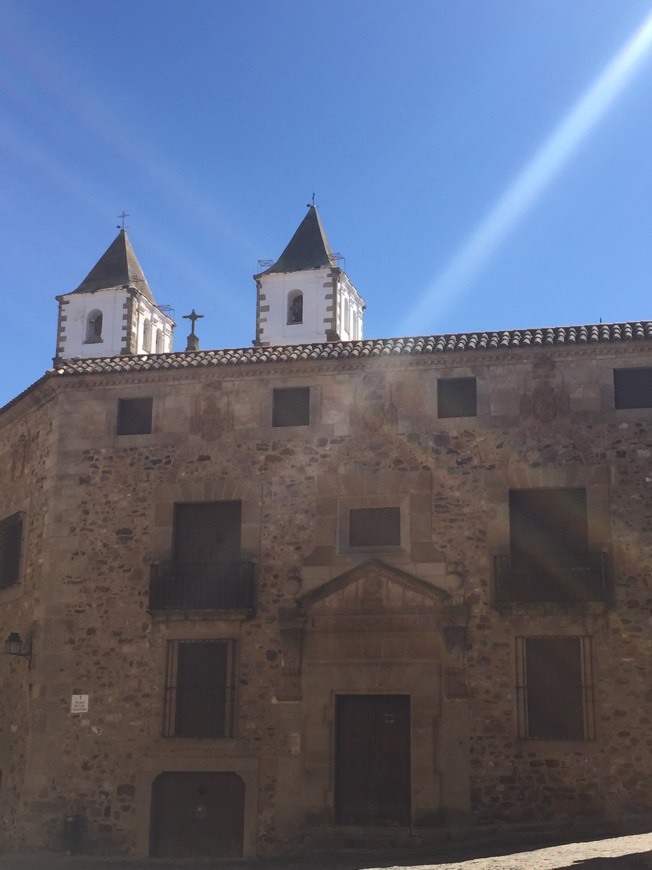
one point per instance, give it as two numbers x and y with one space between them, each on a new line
122 405
573 576
443 407
91 336
172 684
292 297
621 387
276 392
586 689
167 495
345 504
595 479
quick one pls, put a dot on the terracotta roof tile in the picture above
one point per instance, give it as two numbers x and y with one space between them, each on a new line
466 342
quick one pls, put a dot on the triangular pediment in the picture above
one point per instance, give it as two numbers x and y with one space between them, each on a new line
373 585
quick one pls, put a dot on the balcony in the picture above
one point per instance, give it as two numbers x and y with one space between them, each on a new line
563 584
202 586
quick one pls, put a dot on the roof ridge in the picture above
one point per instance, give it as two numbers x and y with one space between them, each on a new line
424 345
117 267
307 249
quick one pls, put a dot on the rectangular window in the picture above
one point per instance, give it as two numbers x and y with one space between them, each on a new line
135 416
207 571
549 555
633 388
456 397
375 527
291 407
554 688
199 688
11 534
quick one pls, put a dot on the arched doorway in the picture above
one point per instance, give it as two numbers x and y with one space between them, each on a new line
197 815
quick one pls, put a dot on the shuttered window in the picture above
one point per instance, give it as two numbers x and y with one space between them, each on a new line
375 527
291 407
456 397
633 388
199 688
134 416
549 544
11 533
555 688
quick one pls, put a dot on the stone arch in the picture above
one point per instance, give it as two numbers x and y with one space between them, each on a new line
94 326
295 307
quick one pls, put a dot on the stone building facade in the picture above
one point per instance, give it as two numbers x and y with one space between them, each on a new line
278 596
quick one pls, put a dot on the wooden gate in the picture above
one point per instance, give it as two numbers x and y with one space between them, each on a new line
372 760
197 815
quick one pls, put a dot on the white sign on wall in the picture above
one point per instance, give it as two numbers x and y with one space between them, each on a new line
79 704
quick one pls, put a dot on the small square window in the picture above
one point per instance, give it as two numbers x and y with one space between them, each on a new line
291 407
375 527
633 388
134 416
554 688
11 533
456 397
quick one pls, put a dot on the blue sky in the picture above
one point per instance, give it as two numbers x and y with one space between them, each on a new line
481 164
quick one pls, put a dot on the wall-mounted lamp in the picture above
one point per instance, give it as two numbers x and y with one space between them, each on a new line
15 646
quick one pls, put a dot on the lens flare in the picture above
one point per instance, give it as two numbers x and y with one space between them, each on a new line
541 170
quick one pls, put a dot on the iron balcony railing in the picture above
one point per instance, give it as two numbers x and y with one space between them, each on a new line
571 583
202 586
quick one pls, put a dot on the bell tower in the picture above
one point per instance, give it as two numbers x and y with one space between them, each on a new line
113 311
305 297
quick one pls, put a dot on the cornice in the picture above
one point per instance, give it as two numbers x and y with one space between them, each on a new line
439 360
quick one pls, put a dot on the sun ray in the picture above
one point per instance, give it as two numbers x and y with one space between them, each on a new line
537 174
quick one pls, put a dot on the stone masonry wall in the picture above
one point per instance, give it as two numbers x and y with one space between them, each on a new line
27 470
541 422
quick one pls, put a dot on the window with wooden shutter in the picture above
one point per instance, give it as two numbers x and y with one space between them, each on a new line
199 688
11 534
135 416
291 406
456 397
375 527
633 388
554 688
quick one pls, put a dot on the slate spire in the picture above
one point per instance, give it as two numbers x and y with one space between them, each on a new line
117 267
307 249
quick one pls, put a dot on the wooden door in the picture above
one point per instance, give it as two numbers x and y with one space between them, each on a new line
372 759
197 815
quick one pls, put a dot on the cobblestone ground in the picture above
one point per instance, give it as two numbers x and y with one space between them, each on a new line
617 853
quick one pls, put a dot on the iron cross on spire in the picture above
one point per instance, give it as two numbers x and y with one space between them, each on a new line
192 317
122 217
192 342
313 201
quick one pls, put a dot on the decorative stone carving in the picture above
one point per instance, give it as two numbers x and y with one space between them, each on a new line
213 416
373 408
